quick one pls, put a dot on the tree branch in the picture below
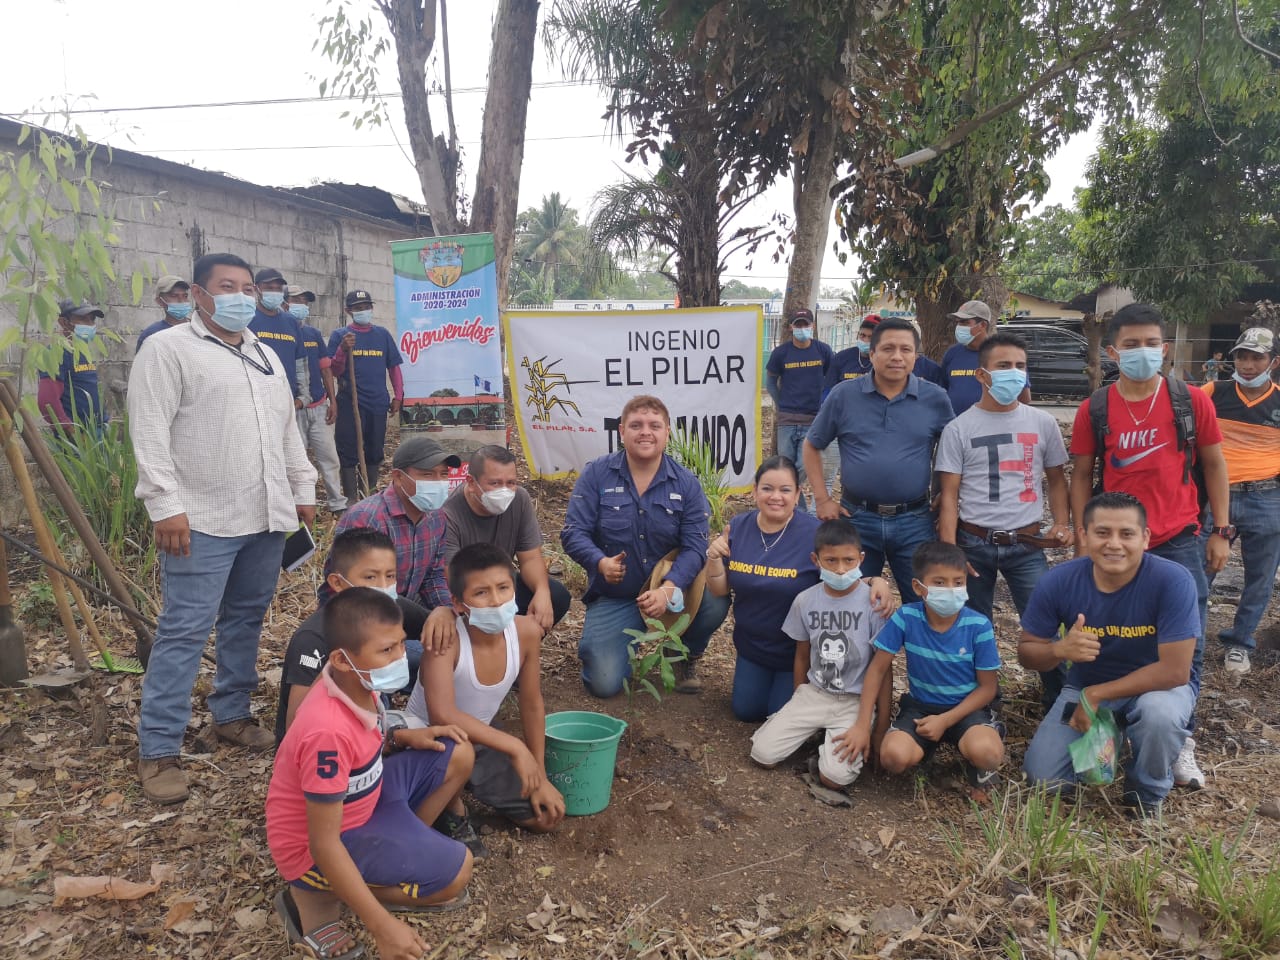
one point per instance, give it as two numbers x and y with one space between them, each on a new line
448 74
1235 12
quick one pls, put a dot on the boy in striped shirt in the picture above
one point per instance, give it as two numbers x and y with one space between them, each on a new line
952 666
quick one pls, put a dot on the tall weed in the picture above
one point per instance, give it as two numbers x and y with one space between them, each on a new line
696 455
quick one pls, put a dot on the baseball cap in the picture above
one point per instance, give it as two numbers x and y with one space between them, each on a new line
870 320
359 296
972 310
422 453
267 275
69 308
298 290
1256 340
801 315
166 284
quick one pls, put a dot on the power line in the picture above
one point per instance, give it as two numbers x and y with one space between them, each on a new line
350 146
278 101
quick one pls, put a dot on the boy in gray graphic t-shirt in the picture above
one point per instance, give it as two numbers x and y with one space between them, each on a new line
833 625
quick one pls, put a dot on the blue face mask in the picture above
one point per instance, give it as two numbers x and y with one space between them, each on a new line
178 311
1141 363
964 335
394 676
233 311
676 603
946 601
864 347
362 318
840 581
85 331
300 310
492 619
803 334
429 494
272 299
1007 385
1261 380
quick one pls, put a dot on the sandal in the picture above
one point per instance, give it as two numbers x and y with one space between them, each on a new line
458 902
323 942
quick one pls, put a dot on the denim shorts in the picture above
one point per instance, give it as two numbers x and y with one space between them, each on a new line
910 710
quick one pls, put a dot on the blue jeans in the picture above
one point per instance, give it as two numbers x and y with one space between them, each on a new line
759 692
791 445
603 647
894 539
225 580
1022 566
1256 515
1188 550
1154 723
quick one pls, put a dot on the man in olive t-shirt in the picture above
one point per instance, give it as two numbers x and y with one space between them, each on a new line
492 507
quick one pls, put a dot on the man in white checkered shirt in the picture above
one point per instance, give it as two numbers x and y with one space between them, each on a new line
225 478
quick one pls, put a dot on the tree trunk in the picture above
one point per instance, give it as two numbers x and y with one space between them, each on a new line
931 312
1093 350
506 107
413 28
814 175
698 230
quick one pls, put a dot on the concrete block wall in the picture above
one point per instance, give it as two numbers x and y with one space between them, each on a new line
205 213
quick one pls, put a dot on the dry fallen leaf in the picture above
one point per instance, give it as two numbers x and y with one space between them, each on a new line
1178 923
250 919
179 912
886 836
658 807
544 872
107 888
164 872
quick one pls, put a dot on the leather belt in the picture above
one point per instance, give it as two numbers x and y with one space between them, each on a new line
1008 538
1248 486
885 509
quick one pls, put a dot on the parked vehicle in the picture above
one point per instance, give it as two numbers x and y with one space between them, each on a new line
1057 360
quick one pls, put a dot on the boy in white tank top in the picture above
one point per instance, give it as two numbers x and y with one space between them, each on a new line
467 684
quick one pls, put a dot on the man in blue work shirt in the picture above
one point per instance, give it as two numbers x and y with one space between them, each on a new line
795 374
888 425
275 326
173 296
316 419
630 510
372 352
70 400
960 362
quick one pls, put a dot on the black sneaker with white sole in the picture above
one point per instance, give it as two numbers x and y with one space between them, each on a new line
458 827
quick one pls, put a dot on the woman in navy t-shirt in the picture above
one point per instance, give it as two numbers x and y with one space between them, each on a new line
765 559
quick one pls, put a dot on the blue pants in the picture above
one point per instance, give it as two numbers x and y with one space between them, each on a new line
1256 515
1022 566
1154 723
791 445
225 580
1188 550
373 426
894 539
603 647
759 692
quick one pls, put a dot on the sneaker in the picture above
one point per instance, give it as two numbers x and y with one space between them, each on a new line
1140 809
1186 772
1236 661
458 827
245 733
163 780
687 679
980 782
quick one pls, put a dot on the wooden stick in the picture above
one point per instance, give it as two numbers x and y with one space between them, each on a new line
355 413
34 440
44 538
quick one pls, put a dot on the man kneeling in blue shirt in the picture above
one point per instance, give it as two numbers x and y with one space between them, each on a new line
1128 621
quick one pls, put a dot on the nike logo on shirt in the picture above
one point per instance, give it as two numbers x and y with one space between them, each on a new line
1121 463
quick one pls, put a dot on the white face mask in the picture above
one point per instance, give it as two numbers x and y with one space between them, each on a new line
497 501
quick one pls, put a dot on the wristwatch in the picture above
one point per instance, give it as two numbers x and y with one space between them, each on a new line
1227 533
389 739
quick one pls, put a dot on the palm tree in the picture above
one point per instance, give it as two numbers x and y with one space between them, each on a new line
550 237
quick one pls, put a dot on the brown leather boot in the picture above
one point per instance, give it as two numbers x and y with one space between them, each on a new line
163 780
245 733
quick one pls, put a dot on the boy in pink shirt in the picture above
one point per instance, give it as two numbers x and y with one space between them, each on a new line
351 798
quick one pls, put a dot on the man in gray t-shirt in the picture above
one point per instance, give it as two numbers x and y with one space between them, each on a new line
994 461
491 507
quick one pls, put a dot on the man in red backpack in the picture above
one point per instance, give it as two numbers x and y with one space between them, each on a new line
1154 434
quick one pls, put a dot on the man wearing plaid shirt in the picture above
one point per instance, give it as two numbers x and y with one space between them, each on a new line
225 478
408 511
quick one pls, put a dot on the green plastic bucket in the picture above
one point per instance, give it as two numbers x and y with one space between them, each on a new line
582 748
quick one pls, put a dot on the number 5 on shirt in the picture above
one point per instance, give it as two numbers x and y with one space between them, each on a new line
326 764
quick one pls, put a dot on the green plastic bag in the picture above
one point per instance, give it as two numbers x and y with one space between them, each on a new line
1095 755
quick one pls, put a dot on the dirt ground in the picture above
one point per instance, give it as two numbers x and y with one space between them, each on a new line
700 854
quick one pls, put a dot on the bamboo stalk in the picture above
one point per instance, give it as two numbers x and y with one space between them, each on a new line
44 538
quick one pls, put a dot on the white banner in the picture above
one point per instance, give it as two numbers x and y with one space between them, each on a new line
571 373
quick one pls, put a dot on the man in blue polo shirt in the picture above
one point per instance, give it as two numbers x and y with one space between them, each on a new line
855 362
888 425
960 362
275 326
795 374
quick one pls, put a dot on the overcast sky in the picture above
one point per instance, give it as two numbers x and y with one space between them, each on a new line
165 53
